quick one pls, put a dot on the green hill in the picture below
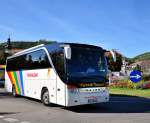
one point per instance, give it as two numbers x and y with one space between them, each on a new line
28 44
144 56
25 44
20 45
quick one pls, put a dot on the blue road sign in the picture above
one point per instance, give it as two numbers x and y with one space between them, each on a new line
135 76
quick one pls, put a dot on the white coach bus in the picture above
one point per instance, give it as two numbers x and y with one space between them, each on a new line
67 74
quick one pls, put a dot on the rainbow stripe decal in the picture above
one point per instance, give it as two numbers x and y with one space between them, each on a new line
16 79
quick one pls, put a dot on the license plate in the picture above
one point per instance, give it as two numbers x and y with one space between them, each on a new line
92 100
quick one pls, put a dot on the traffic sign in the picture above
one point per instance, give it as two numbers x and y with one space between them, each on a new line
135 76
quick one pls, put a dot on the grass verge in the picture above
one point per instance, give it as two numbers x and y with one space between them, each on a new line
130 92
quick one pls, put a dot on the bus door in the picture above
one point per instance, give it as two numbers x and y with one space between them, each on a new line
52 90
60 68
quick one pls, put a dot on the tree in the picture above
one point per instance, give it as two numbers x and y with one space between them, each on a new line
112 65
2 57
138 67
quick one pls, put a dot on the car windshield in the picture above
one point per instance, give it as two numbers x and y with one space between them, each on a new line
86 63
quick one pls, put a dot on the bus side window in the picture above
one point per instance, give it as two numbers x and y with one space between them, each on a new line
21 62
37 60
60 63
8 66
57 57
44 62
11 65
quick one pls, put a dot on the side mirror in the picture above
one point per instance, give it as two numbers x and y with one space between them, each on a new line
67 52
113 55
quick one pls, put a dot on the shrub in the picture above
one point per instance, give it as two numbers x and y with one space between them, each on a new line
126 83
122 83
146 77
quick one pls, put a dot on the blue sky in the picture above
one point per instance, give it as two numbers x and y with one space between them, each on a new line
113 24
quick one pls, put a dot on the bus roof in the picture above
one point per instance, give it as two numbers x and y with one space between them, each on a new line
55 45
52 46
82 45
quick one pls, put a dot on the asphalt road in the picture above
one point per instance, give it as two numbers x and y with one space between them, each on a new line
118 110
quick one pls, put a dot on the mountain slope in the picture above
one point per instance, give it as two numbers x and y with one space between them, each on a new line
141 57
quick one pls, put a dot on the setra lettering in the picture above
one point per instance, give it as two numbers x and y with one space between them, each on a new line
32 74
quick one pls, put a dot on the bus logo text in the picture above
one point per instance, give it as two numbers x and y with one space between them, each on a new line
32 74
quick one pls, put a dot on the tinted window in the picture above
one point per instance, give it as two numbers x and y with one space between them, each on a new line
86 65
11 64
58 61
87 61
37 60
34 60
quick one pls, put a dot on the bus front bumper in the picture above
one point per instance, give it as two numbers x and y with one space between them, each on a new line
82 96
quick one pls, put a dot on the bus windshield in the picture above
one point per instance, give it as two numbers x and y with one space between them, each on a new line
86 65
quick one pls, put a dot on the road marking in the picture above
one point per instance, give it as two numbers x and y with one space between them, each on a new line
121 101
132 101
11 120
25 122
1 117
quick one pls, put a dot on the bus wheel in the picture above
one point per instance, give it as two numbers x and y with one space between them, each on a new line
45 97
14 91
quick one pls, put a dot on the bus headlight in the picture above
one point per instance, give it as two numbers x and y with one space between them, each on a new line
72 88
